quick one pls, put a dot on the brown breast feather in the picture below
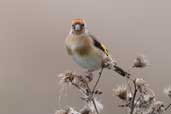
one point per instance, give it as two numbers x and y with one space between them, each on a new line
84 48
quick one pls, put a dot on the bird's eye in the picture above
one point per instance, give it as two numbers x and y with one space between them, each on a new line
82 25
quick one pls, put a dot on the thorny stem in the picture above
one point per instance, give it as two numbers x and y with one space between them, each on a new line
168 106
133 99
100 74
90 95
94 88
92 99
94 103
91 91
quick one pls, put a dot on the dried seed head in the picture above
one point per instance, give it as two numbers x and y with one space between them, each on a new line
140 62
167 91
149 98
75 79
140 82
145 103
142 86
158 106
67 77
121 92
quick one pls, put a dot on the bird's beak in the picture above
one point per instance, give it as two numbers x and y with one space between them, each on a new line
77 27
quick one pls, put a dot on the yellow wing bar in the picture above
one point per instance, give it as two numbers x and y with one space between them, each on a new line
99 45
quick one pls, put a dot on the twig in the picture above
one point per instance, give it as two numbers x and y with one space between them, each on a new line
94 88
94 103
90 93
133 99
168 106
100 74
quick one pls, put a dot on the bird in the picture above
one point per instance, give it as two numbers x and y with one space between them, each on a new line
86 50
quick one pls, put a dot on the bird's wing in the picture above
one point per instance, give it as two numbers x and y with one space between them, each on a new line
99 45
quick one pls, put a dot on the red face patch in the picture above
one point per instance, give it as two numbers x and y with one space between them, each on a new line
77 21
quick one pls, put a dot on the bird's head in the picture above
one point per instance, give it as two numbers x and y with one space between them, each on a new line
78 26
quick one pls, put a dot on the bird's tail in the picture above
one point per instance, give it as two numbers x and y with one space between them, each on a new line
120 71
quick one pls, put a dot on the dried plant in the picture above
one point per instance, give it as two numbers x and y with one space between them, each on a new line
136 95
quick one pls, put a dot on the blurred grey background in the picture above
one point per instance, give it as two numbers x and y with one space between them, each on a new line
32 53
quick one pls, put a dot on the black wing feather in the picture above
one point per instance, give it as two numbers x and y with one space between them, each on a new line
99 45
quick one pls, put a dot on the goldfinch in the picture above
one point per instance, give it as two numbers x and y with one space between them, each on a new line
85 49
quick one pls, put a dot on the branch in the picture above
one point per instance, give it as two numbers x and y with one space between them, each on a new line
95 106
100 74
168 106
133 99
94 88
